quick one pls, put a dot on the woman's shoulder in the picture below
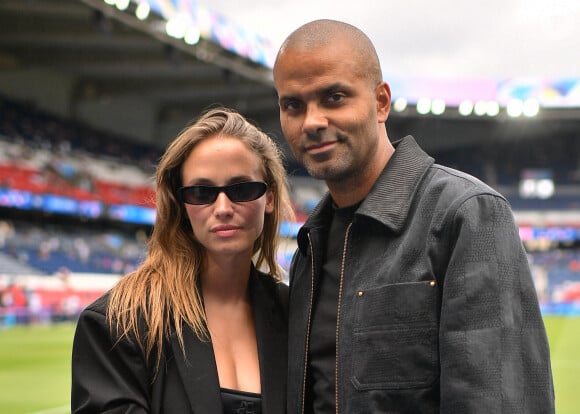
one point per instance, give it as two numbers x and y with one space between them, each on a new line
275 288
100 304
270 281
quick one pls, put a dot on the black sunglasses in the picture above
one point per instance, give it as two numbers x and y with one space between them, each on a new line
207 194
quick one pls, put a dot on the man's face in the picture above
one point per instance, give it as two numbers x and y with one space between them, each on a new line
329 111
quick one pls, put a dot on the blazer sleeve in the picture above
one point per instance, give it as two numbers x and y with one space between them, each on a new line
107 376
494 350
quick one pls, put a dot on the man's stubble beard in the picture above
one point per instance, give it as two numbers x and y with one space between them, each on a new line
337 169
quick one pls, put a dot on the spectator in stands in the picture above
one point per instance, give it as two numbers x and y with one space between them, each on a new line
410 291
197 328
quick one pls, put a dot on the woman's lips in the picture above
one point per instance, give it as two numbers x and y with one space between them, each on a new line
225 230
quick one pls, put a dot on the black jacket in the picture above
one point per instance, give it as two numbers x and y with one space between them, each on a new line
110 377
437 308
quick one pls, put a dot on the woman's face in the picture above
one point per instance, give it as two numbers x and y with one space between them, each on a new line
226 228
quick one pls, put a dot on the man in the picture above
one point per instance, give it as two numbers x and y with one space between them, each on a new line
410 291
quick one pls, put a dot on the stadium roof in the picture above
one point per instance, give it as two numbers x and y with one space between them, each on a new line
90 61
87 60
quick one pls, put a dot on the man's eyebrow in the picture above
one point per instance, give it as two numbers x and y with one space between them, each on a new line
337 86
334 87
286 97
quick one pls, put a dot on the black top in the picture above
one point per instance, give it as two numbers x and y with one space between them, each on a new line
241 402
321 361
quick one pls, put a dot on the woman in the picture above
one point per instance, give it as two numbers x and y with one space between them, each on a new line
197 328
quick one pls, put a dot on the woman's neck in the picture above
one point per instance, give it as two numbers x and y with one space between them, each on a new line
225 280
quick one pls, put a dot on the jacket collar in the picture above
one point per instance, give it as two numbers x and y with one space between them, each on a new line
390 198
272 335
198 368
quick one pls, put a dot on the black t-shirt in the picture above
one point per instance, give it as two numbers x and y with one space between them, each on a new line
320 393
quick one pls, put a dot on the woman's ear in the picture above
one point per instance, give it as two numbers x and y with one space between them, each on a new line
269 201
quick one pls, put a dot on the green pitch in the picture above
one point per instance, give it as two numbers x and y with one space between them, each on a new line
35 367
564 337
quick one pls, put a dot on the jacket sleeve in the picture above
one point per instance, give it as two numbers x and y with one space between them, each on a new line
107 377
494 350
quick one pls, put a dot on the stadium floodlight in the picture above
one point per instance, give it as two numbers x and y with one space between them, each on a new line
492 108
480 108
437 106
515 108
142 11
465 108
122 4
192 35
423 106
545 188
176 27
531 108
400 104
527 188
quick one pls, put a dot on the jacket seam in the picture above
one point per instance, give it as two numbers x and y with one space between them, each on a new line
307 345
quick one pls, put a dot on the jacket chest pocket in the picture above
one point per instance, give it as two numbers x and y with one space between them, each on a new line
395 343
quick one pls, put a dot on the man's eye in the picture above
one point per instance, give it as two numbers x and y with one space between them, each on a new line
335 97
291 105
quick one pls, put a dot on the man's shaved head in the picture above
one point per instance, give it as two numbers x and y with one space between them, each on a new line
325 32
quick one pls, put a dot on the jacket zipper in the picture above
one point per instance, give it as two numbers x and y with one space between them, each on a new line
342 266
308 324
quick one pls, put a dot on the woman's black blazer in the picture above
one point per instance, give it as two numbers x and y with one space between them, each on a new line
109 377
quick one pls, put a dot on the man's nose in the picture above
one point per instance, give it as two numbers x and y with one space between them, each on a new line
314 120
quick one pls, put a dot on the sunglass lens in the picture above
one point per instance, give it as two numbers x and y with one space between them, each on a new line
207 195
199 194
245 191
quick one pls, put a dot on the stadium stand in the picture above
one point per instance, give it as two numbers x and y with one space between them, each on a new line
45 154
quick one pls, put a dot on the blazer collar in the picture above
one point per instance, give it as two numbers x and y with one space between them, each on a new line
271 331
198 371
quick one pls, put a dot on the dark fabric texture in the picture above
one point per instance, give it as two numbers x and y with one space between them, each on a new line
110 376
439 313
240 402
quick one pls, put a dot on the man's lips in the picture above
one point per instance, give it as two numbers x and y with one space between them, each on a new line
320 147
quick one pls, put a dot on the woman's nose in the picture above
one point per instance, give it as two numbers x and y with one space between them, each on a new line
222 204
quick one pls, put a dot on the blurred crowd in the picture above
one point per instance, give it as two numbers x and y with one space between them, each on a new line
44 154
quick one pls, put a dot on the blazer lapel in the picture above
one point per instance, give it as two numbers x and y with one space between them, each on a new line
272 338
198 371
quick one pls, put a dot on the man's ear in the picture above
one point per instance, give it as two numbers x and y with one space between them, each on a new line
383 100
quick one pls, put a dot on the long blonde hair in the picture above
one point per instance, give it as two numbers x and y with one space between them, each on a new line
162 295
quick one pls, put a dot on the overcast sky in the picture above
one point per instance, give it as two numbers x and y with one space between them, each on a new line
438 38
